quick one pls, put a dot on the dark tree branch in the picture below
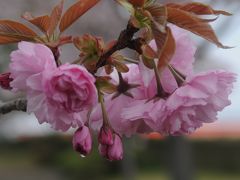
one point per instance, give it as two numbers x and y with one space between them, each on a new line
15 105
125 40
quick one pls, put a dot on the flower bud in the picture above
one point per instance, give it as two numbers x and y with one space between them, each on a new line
82 141
105 136
112 152
5 81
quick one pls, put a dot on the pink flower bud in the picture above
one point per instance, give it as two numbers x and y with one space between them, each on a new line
103 150
105 136
82 141
5 81
112 152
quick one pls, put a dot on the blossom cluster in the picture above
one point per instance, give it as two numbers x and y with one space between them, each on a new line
174 101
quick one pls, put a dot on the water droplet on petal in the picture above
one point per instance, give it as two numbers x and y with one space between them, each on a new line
83 156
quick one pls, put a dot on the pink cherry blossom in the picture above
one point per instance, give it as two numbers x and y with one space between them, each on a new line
197 102
71 87
56 95
115 106
182 61
30 59
82 141
61 95
148 113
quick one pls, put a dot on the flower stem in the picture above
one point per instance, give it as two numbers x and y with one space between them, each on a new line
158 81
104 112
180 78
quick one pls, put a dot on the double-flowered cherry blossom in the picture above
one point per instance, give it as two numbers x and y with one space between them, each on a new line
196 102
56 95
185 108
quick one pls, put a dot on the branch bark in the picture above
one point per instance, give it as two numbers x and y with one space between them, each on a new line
15 105
125 40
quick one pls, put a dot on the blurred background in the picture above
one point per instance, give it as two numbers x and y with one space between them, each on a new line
32 151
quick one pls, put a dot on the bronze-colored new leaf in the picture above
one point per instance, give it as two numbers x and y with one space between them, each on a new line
158 27
198 8
167 51
120 66
159 37
138 3
75 12
55 18
42 22
6 40
159 16
12 31
192 23
148 51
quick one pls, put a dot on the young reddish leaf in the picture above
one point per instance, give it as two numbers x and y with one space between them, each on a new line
198 8
148 52
167 51
158 27
55 18
75 12
120 66
150 63
12 27
6 40
138 3
42 22
11 32
65 40
159 16
108 68
160 38
194 24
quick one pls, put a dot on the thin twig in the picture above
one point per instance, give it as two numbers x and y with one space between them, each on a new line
125 40
15 105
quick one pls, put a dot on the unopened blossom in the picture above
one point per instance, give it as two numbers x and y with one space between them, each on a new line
5 81
112 152
82 141
105 136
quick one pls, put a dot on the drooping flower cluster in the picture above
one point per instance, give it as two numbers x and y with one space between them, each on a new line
66 96
101 92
